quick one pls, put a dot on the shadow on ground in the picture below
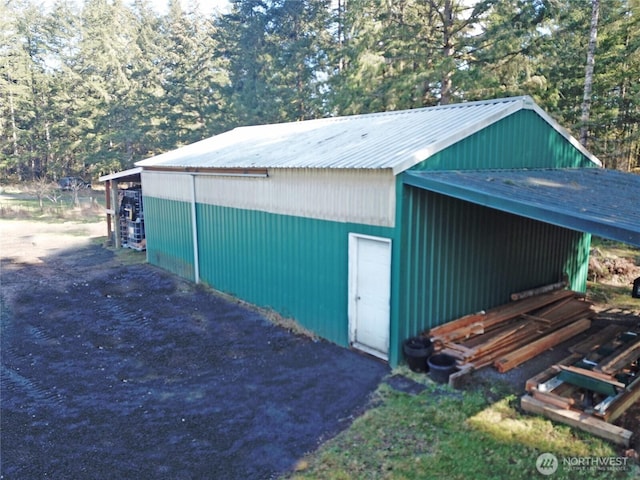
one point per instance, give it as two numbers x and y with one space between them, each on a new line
124 371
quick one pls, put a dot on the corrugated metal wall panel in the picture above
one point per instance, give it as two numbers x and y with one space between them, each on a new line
358 196
169 235
458 258
341 195
522 140
167 186
296 266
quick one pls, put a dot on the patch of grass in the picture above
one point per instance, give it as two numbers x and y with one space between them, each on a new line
444 433
615 295
18 204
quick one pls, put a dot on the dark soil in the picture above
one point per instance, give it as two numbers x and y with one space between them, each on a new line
124 371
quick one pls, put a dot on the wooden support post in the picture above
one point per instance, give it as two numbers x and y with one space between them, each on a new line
107 192
116 213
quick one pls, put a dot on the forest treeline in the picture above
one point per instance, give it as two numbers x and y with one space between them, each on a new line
88 88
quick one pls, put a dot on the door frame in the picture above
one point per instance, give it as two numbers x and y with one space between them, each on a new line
354 238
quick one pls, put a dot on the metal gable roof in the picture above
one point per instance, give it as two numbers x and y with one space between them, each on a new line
131 175
389 140
603 202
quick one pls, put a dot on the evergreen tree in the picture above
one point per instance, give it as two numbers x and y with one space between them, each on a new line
90 90
106 54
25 86
192 77
403 54
614 112
245 46
68 106
299 39
504 53
14 94
276 53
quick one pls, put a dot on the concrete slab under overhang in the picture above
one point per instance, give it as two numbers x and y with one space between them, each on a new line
605 203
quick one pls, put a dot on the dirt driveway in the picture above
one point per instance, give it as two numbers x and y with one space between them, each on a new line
115 369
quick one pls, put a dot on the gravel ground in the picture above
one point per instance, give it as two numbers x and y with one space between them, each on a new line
112 368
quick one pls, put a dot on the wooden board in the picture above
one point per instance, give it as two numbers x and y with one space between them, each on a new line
620 359
621 405
605 335
521 355
456 379
513 309
553 399
588 423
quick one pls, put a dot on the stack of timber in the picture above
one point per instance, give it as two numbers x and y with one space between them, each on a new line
511 334
592 387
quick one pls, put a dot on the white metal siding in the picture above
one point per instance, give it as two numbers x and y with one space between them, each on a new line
358 196
166 186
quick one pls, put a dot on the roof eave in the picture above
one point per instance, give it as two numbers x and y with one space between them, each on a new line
424 154
123 175
531 105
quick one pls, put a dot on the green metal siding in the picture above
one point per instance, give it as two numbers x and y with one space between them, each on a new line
449 257
296 266
457 257
460 258
169 235
521 140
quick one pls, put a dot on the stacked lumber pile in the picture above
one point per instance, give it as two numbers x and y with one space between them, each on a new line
511 334
592 387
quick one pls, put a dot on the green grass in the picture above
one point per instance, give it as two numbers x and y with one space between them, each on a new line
18 205
616 296
448 434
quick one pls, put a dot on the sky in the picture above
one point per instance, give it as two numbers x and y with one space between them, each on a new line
205 6
161 6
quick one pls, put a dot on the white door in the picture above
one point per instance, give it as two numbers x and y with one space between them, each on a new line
369 293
